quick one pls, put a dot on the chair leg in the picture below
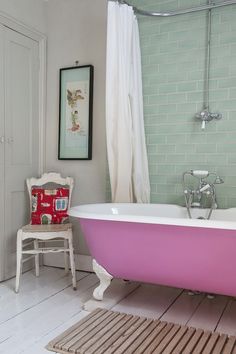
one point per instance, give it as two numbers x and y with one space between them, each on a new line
36 246
18 259
66 257
72 260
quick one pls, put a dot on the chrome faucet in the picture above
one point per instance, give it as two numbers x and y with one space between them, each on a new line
206 116
193 197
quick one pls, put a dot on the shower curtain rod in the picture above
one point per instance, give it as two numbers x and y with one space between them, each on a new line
179 12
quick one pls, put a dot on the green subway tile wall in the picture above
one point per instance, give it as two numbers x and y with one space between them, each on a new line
173 58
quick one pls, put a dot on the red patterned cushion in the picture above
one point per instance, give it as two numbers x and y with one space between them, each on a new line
49 206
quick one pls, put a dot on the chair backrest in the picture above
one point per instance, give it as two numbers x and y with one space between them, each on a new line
51 177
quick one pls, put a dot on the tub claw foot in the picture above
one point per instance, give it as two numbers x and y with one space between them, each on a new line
105 280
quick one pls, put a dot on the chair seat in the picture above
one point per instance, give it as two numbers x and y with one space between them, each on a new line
47 228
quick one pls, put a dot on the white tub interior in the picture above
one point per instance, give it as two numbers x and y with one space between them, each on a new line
156 214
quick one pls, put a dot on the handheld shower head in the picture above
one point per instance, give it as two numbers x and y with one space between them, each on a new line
199 173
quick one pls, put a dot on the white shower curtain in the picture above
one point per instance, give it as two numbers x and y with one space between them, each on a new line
126 147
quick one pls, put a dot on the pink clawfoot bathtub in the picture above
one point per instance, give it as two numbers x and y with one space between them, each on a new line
157 243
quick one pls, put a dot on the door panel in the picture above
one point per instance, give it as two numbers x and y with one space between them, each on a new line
18 200
19 96
2 148
22 134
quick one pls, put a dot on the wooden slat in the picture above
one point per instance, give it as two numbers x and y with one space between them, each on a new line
70 330
82 330
123 348
60 341
230 345
202 342
109 337
220 344
211 343
168 338
175 341
90 332
159 338
134 347
233 351
117 334
91 345
193 341
108 332
125 335
142 348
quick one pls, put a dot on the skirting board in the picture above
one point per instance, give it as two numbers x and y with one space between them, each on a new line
82 262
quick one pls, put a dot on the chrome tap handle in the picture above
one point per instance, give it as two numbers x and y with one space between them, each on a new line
204 188
216 115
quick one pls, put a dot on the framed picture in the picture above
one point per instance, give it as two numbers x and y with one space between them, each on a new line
75 113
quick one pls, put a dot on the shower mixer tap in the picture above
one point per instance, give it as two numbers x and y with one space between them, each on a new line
207 116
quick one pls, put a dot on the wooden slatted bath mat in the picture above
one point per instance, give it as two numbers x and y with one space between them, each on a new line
108 332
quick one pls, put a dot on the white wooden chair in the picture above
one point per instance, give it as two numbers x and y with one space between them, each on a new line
32 240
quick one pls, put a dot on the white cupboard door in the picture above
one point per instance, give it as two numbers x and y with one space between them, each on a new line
22 135
2 147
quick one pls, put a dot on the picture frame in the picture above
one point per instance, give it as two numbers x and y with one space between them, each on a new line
75 113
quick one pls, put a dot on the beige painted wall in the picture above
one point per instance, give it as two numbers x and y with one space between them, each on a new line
77 31
30 12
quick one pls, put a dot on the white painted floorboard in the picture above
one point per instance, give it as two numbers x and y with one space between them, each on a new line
227 323
182 309
46 306
148 301
33 290
39 345
22 331
209 313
